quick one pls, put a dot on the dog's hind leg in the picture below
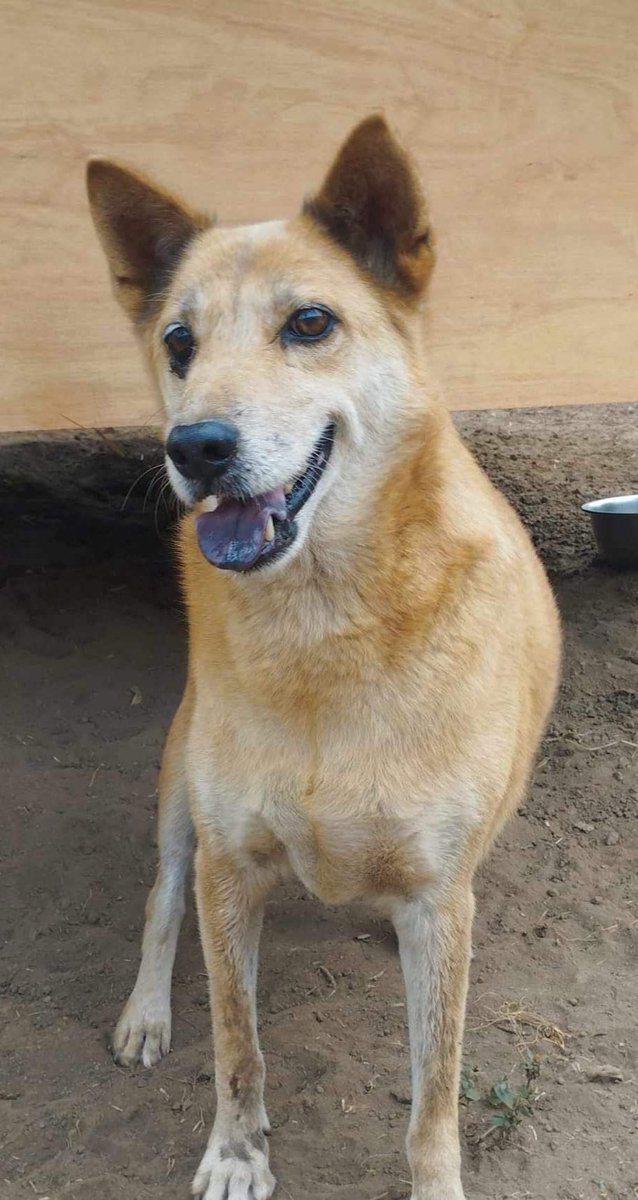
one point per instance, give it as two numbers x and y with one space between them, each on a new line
143 1032
434 944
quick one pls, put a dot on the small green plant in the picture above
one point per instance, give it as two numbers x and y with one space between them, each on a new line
515 1103
532 1066
468 1090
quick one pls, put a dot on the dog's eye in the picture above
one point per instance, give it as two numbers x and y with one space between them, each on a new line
180 344
310 324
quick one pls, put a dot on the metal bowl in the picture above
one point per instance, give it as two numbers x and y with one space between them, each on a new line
615 525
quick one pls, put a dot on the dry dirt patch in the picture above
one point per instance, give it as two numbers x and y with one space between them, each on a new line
93 661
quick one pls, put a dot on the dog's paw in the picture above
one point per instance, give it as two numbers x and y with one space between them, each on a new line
143 1034
236 1169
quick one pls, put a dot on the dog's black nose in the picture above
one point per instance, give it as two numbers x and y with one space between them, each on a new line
204 451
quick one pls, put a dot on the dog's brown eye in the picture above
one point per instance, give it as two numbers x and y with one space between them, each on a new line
310 324
180 344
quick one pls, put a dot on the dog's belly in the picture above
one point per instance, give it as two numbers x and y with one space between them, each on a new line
366 863
341 857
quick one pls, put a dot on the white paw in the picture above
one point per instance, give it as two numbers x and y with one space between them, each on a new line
235 1169
143 1033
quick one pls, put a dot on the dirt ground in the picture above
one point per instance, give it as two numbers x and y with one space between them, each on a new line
92 666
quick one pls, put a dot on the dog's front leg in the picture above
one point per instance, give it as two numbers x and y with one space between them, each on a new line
230 897
144 1028
434 944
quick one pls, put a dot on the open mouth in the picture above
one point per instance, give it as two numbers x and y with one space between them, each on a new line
241 535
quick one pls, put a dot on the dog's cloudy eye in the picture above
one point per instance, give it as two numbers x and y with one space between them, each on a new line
180 344
310 324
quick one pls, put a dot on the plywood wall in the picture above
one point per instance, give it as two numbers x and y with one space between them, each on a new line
522 115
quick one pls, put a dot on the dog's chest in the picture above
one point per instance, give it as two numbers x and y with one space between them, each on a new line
342 784
346 817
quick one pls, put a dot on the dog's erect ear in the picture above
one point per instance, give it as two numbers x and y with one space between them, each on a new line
371 202
143 231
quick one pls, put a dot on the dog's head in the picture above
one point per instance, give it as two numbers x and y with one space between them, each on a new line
284 352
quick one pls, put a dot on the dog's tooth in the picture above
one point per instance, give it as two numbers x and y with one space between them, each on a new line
270 530
288 488
210 503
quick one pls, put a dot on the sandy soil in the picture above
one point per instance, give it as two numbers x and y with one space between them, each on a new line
92 665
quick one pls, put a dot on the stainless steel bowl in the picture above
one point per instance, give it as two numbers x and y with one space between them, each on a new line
615 525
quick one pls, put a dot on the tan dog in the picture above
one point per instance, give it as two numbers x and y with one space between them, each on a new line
374 649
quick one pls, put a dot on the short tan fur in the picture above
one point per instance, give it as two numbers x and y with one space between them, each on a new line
365 710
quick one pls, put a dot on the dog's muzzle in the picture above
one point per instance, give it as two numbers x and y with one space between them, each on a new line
239 532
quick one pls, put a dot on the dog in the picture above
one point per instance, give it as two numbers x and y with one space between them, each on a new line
373 645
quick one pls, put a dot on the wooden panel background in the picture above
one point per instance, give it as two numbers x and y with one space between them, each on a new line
522 115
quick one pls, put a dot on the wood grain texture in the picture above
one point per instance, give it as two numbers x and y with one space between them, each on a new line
522 115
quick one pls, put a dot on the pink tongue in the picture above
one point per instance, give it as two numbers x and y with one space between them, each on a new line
233 536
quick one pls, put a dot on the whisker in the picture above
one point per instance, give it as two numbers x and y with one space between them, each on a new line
156 467
156 512
155 481
170 501
158 414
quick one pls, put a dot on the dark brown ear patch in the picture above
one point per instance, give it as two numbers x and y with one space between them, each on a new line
371 202
144 232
